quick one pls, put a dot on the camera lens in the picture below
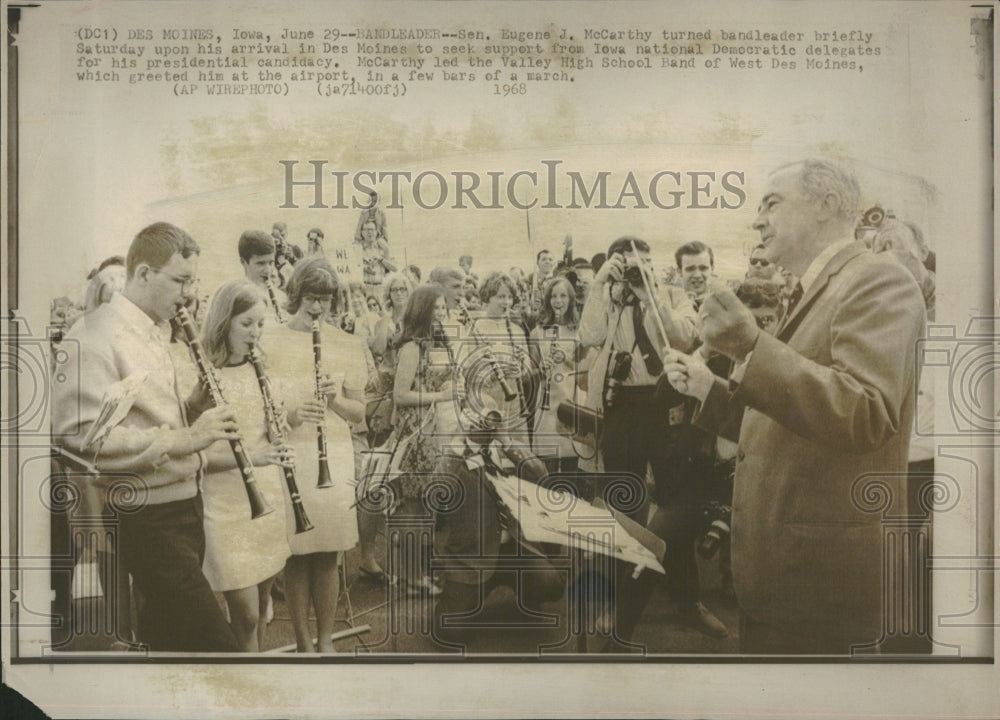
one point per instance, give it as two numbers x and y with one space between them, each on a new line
712 539
709 545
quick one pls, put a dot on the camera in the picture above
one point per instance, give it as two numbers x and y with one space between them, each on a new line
619 366
633 275
718 518
579 420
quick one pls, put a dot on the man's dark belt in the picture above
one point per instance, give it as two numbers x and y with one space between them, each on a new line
646 396
637 394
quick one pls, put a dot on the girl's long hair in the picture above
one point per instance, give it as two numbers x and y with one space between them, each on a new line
547 316
418 319
232 299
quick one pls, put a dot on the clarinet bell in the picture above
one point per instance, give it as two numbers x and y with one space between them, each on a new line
258 505
302 523
324 480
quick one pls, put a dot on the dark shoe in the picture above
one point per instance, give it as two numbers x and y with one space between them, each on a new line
373 575
377 576
698 617
423 586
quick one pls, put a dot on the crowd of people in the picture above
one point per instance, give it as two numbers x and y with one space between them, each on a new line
755 403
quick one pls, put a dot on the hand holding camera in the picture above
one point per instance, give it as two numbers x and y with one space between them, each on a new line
612 270
625 270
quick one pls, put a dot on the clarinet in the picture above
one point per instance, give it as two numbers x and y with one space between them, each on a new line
302 523
278 315
351 315
508 392
553 346
324 479
525 410
258 505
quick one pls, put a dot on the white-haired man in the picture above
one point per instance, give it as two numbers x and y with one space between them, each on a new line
829 405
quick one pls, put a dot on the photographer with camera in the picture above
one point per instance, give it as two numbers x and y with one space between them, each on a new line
642 427
618 318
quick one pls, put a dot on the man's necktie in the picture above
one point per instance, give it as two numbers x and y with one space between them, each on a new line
794 298
649 354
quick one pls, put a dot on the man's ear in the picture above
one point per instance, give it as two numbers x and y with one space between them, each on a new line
828 207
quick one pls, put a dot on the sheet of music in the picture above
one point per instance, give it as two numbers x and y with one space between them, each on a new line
496 130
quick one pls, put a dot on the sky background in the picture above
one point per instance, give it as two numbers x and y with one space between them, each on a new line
100 161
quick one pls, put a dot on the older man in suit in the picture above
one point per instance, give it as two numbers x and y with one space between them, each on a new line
829 405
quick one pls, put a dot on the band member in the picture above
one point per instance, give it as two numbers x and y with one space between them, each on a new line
257 256
242 554
153 450
465 262
497 363
554 345
384 345
423 395
396 292
108 280
321 399
452 281
535 282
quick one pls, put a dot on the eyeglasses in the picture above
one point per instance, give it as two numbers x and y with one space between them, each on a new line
764 321
759 262
321 299
186 283
398 288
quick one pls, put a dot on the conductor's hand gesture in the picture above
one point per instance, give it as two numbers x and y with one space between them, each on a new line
726 325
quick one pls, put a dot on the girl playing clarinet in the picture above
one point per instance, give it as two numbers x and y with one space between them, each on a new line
242 555
322 398
497 364
554 347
